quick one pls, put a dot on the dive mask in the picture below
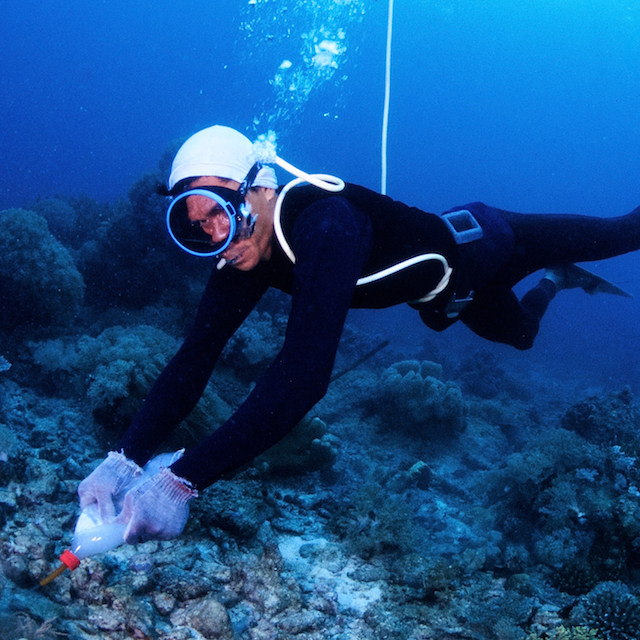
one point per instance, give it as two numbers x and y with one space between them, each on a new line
229 204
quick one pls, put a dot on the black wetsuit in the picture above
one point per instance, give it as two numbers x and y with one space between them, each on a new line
336 239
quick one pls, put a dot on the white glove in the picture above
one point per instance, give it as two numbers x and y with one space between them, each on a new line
157 508
110 479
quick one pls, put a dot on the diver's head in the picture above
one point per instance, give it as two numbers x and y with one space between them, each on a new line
218 191
218 151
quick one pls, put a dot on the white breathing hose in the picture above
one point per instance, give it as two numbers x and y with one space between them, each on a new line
334 184
322 180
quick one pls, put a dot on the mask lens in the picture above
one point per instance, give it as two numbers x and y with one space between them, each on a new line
191 236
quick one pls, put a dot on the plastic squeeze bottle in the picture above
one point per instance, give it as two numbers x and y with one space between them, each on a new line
92 536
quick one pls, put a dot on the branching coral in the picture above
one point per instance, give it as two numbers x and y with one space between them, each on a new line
23 626
39 283
575 504
613 610
528 473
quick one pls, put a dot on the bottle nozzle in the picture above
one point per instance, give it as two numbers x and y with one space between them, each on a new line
68 561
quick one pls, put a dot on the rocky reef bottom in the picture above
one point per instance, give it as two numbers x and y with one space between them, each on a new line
514 523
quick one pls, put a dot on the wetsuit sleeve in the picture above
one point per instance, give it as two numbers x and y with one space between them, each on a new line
228 299
331 240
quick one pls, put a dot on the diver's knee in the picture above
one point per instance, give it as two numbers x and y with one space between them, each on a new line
436 321
524 342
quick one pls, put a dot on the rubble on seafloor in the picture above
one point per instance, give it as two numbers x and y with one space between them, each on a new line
388 536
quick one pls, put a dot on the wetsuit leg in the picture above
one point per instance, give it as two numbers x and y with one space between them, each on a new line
543 240
499 316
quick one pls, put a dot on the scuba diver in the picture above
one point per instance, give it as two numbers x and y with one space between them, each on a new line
331 246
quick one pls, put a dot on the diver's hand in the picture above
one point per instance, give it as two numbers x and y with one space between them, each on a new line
111 477
156 509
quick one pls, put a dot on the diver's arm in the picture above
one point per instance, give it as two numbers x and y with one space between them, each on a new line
331 241
227 301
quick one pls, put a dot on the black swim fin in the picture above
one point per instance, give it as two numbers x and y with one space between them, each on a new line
570 276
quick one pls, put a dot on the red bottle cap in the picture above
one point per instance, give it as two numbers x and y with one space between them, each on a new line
70 559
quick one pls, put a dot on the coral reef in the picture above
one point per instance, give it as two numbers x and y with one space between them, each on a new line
39 283
375 524
237 507
131 245
115 371
574 504
387 543
5 365
364 523
62 220
481 375
611 609
256 343
563 633
608 420
411 397
309 447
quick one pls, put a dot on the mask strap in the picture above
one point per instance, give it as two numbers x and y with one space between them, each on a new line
247 183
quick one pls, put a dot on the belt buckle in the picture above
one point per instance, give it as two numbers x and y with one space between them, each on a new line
456 305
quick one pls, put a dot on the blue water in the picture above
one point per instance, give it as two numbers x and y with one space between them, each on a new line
526 106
